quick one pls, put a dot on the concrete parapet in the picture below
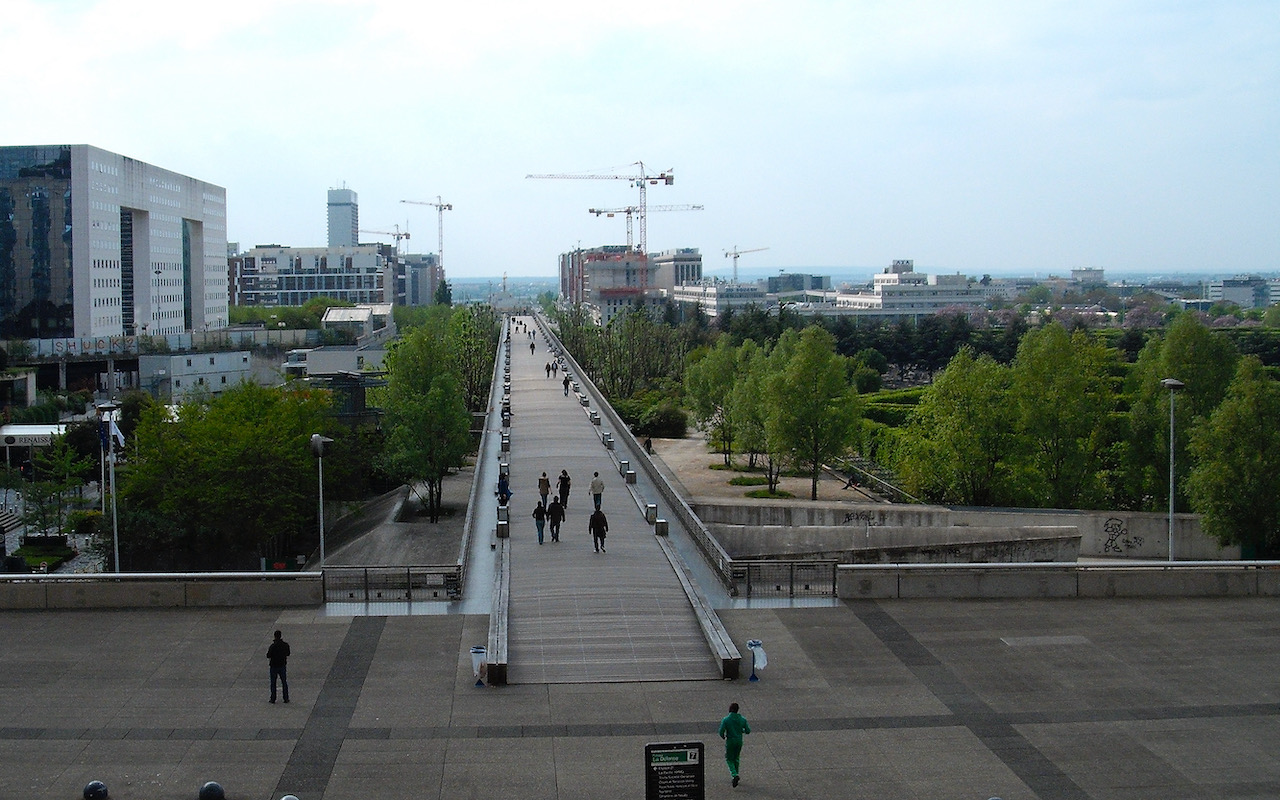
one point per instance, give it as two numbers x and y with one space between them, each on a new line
299 592
112 594
22 594
1174 582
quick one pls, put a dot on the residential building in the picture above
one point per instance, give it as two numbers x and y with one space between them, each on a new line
344 218
94 244
422 277
179 376
275 275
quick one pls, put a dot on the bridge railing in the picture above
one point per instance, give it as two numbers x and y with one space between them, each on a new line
382 584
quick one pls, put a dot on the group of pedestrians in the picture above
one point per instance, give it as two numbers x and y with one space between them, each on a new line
551 511
552 368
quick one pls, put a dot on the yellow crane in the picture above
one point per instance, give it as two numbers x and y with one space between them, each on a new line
735 252
643 180
397 234
629 210
440 207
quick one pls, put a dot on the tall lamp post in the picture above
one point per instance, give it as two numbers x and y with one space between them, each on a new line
107 425
1173 385
318 443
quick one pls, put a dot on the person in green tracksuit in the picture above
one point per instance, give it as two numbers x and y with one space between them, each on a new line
732 728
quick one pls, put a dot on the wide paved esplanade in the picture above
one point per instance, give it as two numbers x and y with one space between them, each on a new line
156 686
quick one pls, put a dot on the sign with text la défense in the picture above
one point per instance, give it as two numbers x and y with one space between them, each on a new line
674 771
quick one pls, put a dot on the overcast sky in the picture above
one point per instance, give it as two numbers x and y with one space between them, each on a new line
980 137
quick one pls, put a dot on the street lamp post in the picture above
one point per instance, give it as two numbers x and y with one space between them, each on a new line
318 443
106 413
1173 385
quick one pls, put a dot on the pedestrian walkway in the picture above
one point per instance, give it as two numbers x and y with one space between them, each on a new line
578 616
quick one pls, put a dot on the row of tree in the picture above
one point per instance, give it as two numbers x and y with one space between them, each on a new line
789 405
1069 425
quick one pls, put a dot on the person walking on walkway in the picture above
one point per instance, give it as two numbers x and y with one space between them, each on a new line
532 346
548 369
597 490
566 384
562 485
599 527
544 487
556 515
732 728
555 367
540 519
278 658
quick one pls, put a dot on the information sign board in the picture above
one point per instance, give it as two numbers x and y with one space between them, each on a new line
674 771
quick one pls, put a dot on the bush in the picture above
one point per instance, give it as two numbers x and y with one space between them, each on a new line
665 421
51 554
765 494
84 523
749 480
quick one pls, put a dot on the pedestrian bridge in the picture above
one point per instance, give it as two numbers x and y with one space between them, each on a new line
560 612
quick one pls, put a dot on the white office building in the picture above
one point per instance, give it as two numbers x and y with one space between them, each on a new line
96 245
344 218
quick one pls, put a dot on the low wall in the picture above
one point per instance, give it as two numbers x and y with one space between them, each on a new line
170 590
992 581
923 545
1118 534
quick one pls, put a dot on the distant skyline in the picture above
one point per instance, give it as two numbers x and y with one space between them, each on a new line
1007 138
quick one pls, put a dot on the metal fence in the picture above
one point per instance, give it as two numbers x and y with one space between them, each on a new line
377 584
785 578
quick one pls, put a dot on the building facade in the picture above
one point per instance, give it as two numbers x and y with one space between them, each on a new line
344 218
96 244
177 377
677 267
608 280
274 275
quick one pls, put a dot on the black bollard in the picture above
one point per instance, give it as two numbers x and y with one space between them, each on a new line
95 790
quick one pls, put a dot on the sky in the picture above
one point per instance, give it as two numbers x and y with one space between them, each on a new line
1019 137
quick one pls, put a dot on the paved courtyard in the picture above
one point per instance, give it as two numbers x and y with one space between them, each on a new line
1016 699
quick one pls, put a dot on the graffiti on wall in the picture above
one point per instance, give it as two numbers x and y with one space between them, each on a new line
1118 538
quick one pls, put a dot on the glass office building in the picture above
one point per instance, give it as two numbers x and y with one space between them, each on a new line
95 244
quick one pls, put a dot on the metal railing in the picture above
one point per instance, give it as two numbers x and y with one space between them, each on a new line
785 578
383 584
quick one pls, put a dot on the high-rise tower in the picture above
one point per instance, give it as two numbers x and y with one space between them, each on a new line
344 218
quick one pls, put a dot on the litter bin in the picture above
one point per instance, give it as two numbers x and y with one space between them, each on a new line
478 663
758 658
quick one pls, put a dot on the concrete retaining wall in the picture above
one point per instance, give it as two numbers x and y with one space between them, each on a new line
1119 534
923 545
1246 579
197 590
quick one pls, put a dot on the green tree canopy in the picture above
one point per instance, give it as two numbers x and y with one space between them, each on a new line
226 481
1235 483
814 412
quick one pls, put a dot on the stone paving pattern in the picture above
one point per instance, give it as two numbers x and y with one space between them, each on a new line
1017 699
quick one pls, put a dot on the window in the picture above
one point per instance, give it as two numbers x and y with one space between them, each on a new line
188 362
211 361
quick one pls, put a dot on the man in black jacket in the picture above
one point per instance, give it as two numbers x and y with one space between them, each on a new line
278 657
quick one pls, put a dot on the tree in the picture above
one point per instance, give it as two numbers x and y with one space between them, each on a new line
1061 400
428 436
193 495
1235 483
58 470
957 447
813 410
749 404
444 294
472 342
709 382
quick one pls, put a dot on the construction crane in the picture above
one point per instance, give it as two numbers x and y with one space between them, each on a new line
735 252
629 210
642 181
440 207
397 234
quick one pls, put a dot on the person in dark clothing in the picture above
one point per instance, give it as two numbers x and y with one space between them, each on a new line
562 485
278 658
548 368
540 519
555 515
566 384
732 728
599 526
531 346
504 489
